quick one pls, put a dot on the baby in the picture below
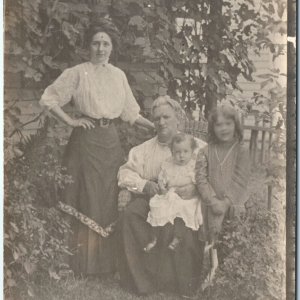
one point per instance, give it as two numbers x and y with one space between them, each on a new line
168 206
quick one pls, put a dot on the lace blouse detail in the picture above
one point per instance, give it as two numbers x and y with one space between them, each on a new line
99 91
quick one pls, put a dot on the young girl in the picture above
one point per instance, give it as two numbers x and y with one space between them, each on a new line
175 172
222 171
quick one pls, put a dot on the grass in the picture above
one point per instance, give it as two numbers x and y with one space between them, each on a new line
108 289
84 289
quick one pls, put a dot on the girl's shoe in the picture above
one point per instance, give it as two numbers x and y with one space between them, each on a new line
151 245
174 244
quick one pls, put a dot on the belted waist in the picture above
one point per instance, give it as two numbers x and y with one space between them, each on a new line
102 122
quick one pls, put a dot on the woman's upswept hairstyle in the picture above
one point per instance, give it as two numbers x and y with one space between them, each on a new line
229 112
107 26
163 100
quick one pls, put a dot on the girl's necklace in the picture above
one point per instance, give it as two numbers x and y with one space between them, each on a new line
221 163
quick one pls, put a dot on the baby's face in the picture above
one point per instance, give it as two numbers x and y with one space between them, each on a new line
182 153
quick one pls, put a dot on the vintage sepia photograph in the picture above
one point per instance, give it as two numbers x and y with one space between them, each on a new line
149 149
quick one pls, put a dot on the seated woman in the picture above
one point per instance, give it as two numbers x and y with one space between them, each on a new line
161 268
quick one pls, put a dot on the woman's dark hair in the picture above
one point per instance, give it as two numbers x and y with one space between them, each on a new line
106 26
229 112
182 137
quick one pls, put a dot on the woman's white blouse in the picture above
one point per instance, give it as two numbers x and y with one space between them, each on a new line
99 91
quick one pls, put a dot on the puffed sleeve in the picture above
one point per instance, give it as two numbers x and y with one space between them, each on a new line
201 175
131 109
130 174
60 92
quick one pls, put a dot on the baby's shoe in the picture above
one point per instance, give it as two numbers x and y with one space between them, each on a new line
151 245
174 244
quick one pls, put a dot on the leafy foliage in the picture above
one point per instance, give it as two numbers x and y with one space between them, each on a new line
253 267
200 47
42 36
34 231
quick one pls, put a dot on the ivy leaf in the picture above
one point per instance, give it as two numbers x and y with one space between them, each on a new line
140 41
264 83
11 282
135 9
15 255
196 42
32 73
70 32
29 267
137 21
271 9
14 226
281 8
49 62
30 292
266 76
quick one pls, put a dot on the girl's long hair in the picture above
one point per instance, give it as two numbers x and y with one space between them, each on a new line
229 112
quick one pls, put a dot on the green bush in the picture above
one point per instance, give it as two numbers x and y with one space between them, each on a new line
34 231
253 265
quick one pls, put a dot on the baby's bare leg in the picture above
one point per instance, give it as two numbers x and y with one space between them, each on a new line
179 227
155 231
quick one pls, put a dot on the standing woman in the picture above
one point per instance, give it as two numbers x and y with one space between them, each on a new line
93 155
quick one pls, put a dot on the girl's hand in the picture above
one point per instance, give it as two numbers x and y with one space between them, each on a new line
82 122
219 207
187 191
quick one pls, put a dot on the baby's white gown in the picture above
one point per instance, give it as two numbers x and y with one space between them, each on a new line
165 208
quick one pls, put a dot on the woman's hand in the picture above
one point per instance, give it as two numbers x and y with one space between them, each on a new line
141 121
151 188
187 191
82 122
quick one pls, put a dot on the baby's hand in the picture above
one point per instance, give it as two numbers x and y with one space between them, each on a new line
162 190
187 191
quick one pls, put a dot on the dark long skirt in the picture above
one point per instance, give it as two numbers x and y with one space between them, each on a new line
92 158
161 269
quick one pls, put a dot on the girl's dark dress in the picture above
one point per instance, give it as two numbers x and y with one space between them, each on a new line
222 170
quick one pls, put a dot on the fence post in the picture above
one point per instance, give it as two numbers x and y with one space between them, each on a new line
253 145
270 194
263 135
270 145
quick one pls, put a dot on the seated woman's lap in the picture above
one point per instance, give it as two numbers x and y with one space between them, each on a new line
138 206
164 268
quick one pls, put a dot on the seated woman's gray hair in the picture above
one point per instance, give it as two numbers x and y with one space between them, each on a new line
163 100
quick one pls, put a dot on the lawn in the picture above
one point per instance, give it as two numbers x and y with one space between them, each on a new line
109 289
87 289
